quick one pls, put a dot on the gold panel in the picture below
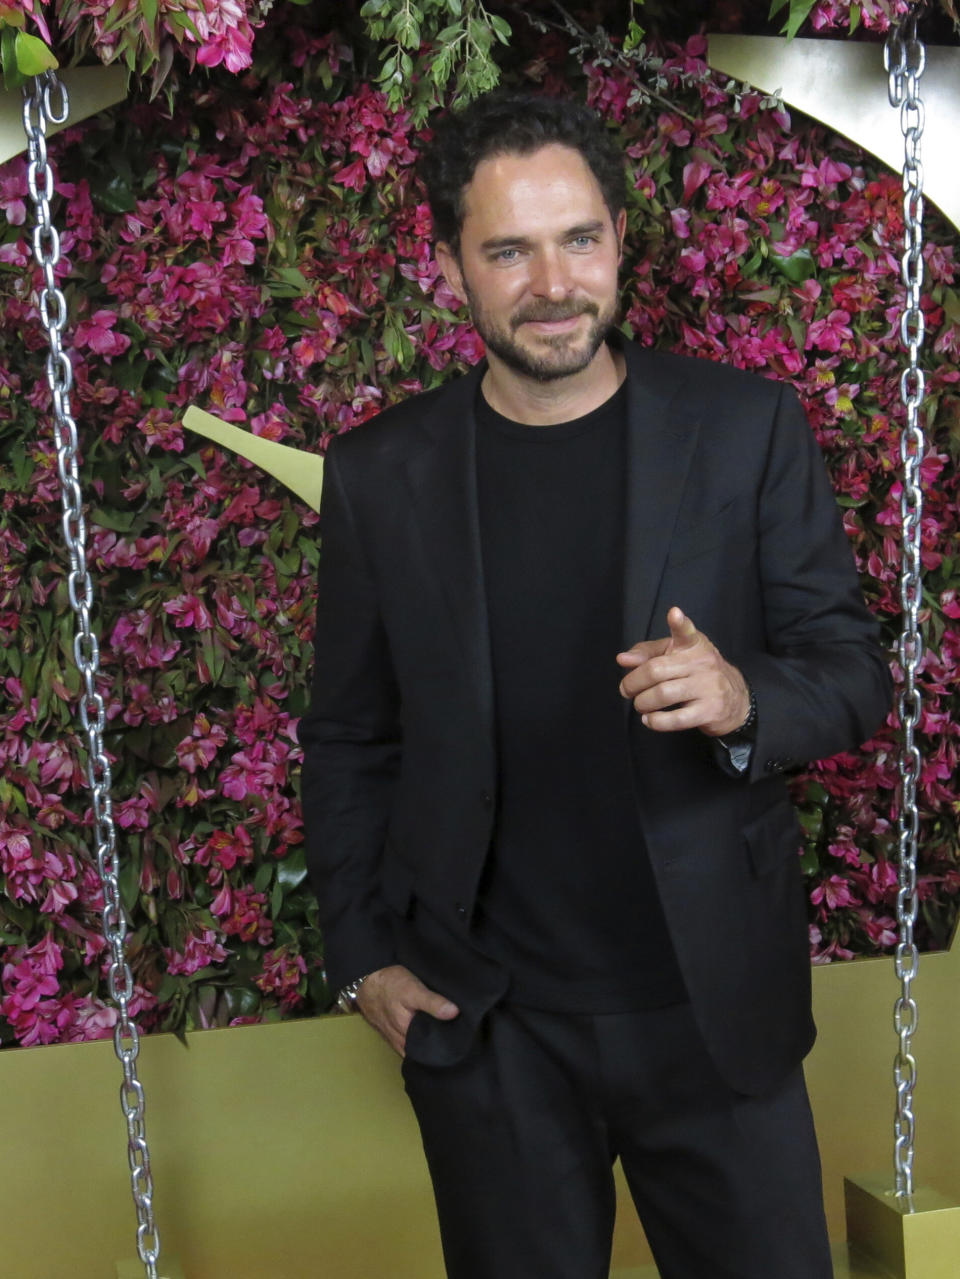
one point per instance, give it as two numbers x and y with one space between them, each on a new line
90 89
843 84
918 1241
289 1151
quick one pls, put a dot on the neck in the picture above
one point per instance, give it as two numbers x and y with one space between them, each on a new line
524 399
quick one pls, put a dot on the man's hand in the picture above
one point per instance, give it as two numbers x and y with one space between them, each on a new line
389 997
685 672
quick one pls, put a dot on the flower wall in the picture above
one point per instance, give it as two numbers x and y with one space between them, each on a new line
263 252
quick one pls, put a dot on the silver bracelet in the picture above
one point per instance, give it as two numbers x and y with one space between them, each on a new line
347 998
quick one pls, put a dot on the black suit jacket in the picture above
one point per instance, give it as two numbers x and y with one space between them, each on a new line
730 516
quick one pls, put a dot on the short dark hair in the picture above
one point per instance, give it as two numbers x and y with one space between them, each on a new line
512 122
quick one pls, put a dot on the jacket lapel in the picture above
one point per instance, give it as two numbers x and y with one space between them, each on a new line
443 480
661 440
442 477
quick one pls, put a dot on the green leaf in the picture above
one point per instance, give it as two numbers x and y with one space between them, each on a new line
797 267
149 10
809 861
114 196
22 465
12 797
292 869
261 880
797 16
242 1001
12 78
128 878
501 28
33 56
116 521
811 822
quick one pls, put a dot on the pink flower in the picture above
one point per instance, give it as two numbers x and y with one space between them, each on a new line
832 333
694 175
245 917
90 1019
188 610
226 849
13 189
833 892
97 335
283 970
199 950
200 748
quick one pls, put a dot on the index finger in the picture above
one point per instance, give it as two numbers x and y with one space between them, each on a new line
643 651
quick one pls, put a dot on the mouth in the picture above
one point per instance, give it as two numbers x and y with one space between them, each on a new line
550 327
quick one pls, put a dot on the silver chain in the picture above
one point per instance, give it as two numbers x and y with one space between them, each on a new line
45 102
904 59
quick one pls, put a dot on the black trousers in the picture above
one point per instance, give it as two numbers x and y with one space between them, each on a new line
520 1139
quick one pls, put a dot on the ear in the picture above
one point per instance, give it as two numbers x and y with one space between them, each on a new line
621 228
450 266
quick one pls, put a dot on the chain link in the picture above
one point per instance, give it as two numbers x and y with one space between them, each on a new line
45 102
904 60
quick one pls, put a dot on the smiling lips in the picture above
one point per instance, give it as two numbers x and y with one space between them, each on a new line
556 326
563 322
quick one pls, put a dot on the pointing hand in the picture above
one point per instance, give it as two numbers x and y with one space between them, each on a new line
682 681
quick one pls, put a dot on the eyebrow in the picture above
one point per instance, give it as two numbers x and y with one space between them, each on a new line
523 241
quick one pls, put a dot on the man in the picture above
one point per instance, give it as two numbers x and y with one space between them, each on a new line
578 612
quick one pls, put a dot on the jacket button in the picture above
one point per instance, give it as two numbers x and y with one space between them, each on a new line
774 766
486 799
461 909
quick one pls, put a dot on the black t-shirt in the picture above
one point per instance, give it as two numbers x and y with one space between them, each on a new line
568 903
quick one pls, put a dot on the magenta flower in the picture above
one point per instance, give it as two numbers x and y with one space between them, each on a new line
283 970
227 849
832 333
200 748
199 950
13 191
694 175
96 334
833 892
245 916
188 610
89 1019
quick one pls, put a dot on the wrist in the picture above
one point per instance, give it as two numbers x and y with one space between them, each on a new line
346 999
746 732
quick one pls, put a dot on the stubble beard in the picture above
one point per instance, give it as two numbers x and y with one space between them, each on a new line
565 353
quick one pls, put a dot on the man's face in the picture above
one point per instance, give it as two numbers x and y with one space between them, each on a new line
538 261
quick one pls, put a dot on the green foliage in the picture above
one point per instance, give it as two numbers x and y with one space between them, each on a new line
797 13
21 55
435 50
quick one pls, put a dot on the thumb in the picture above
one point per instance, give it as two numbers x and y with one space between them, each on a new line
683 633
438 1005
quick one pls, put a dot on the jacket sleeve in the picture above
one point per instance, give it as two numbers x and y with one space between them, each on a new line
351 746
823 683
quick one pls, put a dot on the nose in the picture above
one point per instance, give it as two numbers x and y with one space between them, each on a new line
549 277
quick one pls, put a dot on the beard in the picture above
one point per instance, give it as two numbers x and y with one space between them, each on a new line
556 355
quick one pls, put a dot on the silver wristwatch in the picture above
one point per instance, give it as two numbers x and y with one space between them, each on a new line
347 998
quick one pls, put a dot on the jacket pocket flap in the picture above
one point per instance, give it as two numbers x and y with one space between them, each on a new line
772 837
396 884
